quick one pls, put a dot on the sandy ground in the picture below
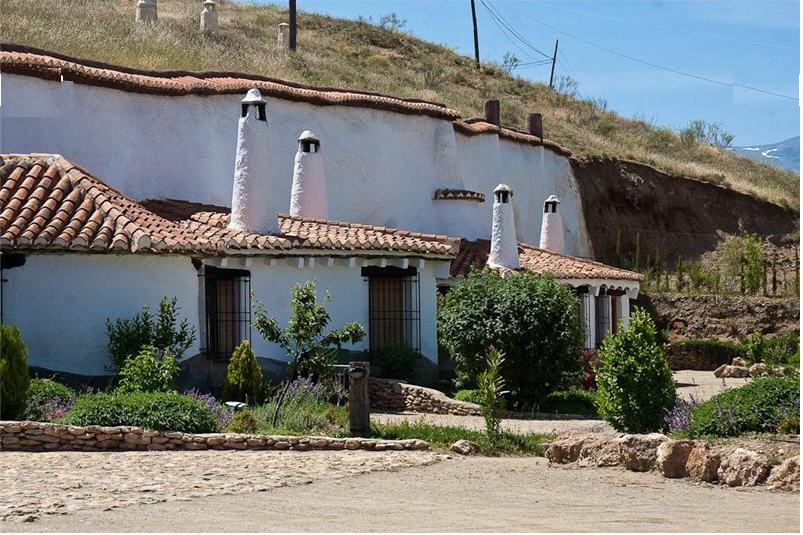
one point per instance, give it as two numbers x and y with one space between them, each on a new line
461 494
702 385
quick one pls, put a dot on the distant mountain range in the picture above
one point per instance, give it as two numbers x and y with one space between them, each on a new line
785 154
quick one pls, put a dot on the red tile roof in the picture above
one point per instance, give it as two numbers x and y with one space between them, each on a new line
478 125
48 203
475 254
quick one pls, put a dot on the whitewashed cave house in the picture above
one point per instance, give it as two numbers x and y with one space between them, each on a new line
117 188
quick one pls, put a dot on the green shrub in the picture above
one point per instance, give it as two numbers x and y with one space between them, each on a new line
243 376
635 388
532 319
469 396
398 361
147 372
164 411
571 402
752 264
42 394
491 387
759 406
779 350
164 332
789 426
14 379
305 410
714 350
242 422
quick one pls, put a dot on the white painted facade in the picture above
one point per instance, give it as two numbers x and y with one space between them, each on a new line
78 292
183 147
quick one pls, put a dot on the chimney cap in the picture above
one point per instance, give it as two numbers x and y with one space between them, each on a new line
553 198
503 187
211 3
253 97
306 135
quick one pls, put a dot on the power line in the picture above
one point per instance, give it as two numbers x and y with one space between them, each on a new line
434 11
501 20
667 29
655 65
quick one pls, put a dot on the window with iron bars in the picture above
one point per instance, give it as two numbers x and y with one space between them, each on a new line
394 300
228 311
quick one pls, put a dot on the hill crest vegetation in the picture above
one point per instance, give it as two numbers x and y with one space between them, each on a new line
361 55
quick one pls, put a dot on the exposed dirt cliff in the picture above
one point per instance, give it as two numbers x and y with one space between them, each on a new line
669 215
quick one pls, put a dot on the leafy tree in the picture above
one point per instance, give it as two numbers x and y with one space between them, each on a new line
14 379
127 337
151 370
311 351
635 388
752 263
243 376
530 318
510 62
491 394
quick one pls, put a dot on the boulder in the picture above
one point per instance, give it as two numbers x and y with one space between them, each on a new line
733 372
565 449
786 476
465 447
742 468
758 369
738 361
672 456
639 452
600 451
702 464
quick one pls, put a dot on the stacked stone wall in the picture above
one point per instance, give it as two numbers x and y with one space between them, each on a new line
393 395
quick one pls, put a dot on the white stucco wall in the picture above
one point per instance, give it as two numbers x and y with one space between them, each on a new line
61 301
381 167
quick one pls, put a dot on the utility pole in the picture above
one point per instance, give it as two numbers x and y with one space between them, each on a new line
554 58
292 8
476 36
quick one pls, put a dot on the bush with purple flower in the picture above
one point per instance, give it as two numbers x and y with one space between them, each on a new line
48 400
678 420
222 414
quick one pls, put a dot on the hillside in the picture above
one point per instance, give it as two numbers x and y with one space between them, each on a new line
341 53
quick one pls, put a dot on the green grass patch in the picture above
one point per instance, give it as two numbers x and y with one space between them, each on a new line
443 436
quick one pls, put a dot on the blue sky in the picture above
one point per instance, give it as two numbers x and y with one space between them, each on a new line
704 38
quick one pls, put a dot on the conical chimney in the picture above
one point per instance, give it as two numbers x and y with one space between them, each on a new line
552 227
308 196
253 198
504 248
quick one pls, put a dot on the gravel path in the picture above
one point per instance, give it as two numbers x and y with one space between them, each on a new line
461 494
36 484
703 385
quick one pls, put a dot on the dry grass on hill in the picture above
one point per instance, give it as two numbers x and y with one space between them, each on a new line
335 52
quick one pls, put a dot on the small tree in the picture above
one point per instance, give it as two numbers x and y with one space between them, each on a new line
149 371
311 351
635 388
510 62
127 337
491 393
14 379
753 263
532 319
243 376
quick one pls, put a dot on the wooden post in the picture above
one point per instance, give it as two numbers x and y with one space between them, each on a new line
476 36
293 25
359 399
554 59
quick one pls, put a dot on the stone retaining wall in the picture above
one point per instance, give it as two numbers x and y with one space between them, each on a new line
397 396
42 436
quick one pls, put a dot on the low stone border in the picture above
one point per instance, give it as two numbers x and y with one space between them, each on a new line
394 395
43 436
693 459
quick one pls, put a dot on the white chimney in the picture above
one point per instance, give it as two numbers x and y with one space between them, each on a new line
209 17
283 38
146 11
253 197
504 248
552 227
308 196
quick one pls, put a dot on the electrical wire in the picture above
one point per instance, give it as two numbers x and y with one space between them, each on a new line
501 20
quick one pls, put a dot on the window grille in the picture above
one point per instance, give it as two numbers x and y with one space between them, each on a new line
394 301
228 311
603 317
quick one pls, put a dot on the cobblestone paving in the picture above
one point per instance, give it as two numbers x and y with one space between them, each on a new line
35 484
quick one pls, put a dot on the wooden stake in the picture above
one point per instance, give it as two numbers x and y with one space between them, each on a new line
359 399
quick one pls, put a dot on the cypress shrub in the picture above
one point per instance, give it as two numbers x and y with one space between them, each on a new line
14 379
635 388
243 376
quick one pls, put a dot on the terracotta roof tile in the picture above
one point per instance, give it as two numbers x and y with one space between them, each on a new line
475 254
49 203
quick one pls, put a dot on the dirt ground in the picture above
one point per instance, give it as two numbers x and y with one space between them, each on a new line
460 494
